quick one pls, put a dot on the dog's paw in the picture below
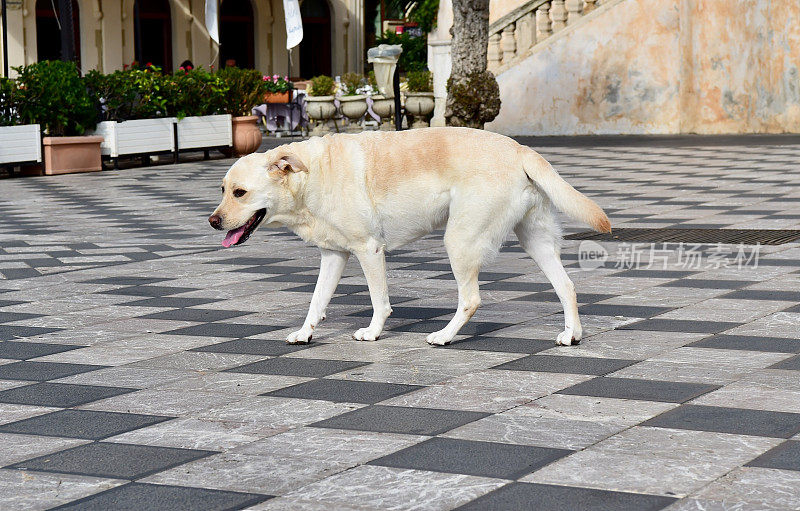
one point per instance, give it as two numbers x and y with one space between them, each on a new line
302 336
568 338
439 338
366 334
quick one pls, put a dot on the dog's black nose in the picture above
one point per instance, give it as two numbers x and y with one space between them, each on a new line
215 221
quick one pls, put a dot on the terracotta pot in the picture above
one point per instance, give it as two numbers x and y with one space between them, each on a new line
246 135
321 109
384 108
278 97
353 107
65 155
420 105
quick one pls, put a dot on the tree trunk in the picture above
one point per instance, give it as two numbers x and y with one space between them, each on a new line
473 96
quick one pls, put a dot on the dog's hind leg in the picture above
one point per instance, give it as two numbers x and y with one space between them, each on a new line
331 266
373 262
540 235
466 257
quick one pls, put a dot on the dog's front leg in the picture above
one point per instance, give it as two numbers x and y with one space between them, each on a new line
330 271
373 262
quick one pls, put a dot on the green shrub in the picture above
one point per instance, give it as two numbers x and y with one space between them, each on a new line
244 89
321 86
351 82
197 92
415 50
114 94
420 81
7 115
155 93
53 94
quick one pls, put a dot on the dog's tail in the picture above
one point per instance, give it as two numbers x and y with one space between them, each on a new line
566 198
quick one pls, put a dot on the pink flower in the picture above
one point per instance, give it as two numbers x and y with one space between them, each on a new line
285 78
181 68
149 64
265 78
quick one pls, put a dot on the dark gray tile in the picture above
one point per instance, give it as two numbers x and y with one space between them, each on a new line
503 285
763 294
291 277
785 456
708 284
248 261
398 419
550 296
170 301
125 281
547 497
344 391
341 289
644 390
224 330
654 274
363 299
422 313
680 325
26 350
8 317
275 269
566 364
42 371
310 367
484 276
140 496
148 291
255 347
15 332
120 461
471 328
629 311
749 343
501 344
87 424
792 364
794 308
59 394
720 419
199 315
486 459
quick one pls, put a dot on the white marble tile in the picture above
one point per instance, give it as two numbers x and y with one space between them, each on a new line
33 491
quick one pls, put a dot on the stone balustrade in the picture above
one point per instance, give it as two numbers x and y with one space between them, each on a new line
518 31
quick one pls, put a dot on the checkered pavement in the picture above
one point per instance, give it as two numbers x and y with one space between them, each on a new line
142 366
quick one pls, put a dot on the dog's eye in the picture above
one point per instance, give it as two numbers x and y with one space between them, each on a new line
239 192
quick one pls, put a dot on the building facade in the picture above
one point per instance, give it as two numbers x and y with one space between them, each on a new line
109 34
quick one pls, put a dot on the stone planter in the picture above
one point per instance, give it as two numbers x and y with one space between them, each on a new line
320 109
354 108
246 135
20 144
65 155
420 105
384 108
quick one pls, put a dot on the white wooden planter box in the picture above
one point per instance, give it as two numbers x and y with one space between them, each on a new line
20 144
137 136
204 132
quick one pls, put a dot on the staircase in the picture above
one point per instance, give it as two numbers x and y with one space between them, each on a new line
512 37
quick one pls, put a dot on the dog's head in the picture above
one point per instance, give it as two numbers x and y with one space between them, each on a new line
258 186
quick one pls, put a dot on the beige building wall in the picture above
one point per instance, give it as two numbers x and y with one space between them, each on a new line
107 35
661 66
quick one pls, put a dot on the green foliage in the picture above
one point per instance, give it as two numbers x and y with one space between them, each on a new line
472 100
53 94
114 94
424 14
198 92
244 89
7 115
420 81
351 82
415 50
321 86
155 93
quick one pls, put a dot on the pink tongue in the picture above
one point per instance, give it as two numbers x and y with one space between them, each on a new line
233 236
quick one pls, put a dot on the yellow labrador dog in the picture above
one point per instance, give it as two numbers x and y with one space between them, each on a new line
373 192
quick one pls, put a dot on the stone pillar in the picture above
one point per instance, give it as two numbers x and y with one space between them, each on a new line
558 15
439 63
543 30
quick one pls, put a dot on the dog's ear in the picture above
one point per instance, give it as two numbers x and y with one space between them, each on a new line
287 164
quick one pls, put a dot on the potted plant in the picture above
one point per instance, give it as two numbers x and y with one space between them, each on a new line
279 90
133 111
18 143
244 89
319 103
353 104
419 98
198 103
53 95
